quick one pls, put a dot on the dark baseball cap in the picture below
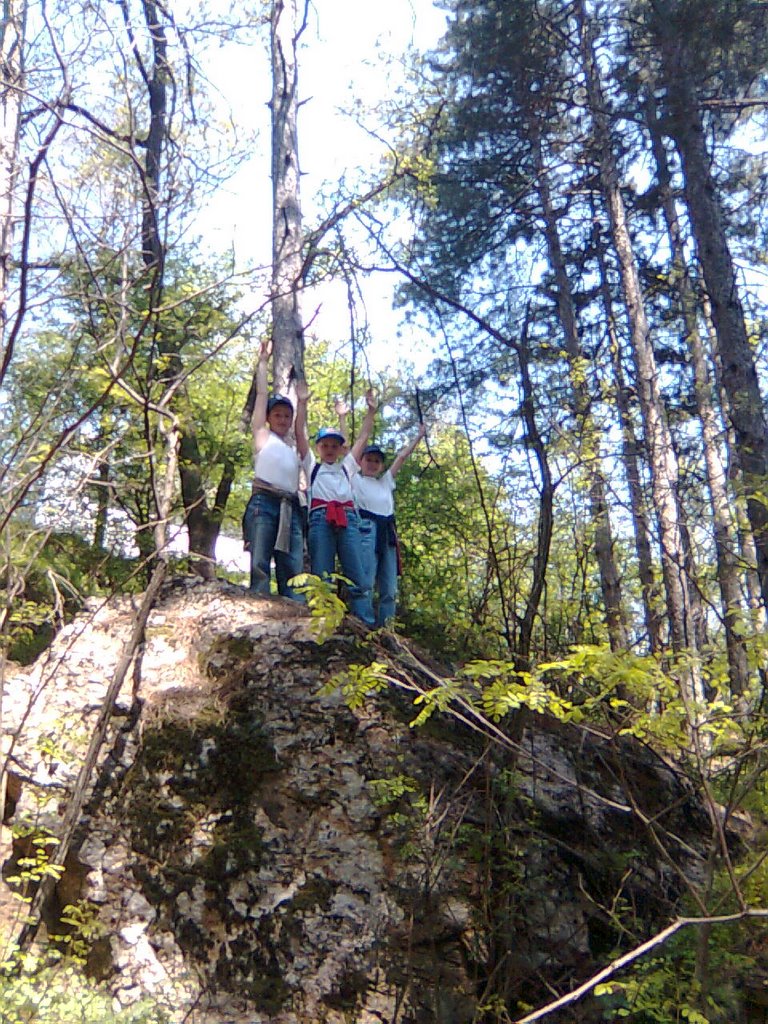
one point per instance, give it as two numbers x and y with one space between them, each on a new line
373 449
278 400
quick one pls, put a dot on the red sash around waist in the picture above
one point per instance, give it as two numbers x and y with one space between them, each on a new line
335 511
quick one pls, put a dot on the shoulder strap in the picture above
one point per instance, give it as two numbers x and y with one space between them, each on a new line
317 466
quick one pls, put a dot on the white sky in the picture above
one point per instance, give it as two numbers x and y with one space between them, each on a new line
350 52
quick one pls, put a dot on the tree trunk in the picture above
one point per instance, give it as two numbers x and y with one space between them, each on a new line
12 47
739 376
631 456
610 583
724 533
102 489
546 506
661 455
746 541
202 521
287 234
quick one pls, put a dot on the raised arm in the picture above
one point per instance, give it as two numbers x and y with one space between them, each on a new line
342 411
259 427
300 423
402 455
367 425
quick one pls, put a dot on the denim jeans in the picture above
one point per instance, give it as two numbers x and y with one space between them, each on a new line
379 574
325 543
260 523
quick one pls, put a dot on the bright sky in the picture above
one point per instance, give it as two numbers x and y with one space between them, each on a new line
350 53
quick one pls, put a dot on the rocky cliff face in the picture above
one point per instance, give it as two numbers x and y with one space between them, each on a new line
258 852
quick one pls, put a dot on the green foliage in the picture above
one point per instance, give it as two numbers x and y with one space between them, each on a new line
107 329
34 990
331 375
359 682
59 570
326 608
664 989
36 865
449 594
386 791
81 919
50 985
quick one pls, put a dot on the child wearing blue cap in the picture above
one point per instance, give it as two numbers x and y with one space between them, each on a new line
272 524
373 488
334 525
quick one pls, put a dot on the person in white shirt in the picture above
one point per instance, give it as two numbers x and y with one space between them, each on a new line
373 488
334 525
272 524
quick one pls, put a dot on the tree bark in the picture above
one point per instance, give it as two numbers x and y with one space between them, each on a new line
739 376
203 522
12 47
661 455
287 21
711 429
631 455
610 583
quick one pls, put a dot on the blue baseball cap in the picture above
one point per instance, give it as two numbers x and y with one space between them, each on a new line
324 432
278 400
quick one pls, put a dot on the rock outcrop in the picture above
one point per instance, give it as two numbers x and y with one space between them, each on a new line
257 852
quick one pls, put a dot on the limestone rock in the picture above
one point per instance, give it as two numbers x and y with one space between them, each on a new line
249 868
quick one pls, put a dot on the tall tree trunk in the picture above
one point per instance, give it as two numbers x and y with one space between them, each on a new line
603 537
661 455
631 456
546 506
287 22
103 488
724 533
203 522
746 541
739 376
12 47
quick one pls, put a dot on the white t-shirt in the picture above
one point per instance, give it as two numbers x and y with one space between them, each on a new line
375 493
278 464
331 483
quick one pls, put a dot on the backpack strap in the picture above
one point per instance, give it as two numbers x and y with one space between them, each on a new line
317 466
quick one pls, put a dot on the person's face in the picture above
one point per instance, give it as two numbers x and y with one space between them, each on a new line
329 449
280 419
371 464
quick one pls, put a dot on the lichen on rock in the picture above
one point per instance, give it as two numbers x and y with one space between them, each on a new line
258 852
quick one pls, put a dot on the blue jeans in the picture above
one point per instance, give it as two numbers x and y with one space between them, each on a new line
325 542
260 523
379 573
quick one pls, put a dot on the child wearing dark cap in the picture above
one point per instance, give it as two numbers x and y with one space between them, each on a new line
373 488
334 524
272 524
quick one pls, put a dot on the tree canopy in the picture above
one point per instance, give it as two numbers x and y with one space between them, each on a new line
573 207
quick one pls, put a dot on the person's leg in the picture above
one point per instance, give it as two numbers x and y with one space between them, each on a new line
322 544
367 531
261 521
386 581
291 563
351 567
